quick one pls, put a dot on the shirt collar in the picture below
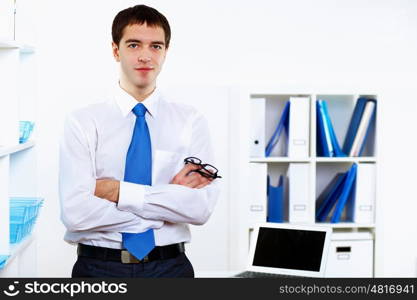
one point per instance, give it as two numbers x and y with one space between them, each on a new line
126 102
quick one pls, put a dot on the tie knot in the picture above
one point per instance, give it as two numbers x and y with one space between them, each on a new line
139 110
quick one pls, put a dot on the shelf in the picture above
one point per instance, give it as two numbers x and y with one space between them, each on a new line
345 225
345 159
24 48
7 150
306 160
278 159
297 91
17 249
9 45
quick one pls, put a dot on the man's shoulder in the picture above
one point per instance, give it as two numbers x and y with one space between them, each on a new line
91 111
180 106
176 107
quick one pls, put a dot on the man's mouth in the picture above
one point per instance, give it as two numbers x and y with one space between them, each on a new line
144 69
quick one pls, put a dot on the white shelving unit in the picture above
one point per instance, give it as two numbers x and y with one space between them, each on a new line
17 161
248 192
10 150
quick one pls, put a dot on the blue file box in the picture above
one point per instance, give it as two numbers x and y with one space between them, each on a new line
3 260
276 202
23 214
25 129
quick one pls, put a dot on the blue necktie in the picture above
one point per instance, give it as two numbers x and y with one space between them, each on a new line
139 170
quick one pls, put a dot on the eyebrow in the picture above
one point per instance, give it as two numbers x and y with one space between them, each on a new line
138 41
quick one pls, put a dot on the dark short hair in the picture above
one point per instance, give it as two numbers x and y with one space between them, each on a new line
139 14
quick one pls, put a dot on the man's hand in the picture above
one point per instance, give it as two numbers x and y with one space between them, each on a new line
193 179
107 189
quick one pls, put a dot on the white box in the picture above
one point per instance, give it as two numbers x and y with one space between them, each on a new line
299 126
350 255
364 212
257 183
300 208
257 127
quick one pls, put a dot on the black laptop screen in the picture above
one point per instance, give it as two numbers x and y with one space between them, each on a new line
289 249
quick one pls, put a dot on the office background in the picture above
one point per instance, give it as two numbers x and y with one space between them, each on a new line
309 45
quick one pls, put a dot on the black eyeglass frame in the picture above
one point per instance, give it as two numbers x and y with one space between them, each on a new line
196 161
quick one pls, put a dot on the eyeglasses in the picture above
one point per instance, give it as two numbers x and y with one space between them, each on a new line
206 170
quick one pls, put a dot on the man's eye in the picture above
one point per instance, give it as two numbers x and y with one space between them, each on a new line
133 46
158 47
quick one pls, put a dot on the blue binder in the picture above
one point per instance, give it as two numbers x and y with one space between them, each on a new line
370 127
275 212
324 141
337 150
348 193
354 124
283 123
328 145
3 260
329 196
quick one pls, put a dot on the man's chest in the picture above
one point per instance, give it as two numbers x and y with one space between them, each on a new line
170 145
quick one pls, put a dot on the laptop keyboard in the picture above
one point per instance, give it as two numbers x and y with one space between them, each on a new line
251 274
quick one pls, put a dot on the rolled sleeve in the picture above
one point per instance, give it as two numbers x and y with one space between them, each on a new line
131 197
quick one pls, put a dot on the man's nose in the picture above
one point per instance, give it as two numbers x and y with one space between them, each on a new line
144 57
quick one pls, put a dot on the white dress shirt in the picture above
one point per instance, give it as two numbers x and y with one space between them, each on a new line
94 146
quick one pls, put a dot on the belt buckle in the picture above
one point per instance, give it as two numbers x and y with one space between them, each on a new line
128 258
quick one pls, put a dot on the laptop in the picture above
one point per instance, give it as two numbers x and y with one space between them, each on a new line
287 250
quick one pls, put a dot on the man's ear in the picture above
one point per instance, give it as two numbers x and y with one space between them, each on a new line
115 50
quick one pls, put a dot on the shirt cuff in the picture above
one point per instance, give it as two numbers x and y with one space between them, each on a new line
131 197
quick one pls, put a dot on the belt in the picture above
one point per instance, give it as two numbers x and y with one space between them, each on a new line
123 256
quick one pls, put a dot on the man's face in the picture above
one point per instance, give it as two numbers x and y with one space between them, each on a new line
141 53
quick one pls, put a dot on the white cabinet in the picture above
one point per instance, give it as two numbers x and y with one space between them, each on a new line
17 161
350 255
314 172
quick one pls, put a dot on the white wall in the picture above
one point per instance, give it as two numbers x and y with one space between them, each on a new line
304 44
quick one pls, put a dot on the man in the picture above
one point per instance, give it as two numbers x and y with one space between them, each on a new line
126 195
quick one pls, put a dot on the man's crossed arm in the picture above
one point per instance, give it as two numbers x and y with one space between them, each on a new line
109 189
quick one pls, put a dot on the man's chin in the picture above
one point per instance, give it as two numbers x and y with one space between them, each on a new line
143 85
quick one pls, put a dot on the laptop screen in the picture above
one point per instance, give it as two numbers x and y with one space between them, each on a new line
289 249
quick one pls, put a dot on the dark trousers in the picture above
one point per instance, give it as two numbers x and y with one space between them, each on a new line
179 266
